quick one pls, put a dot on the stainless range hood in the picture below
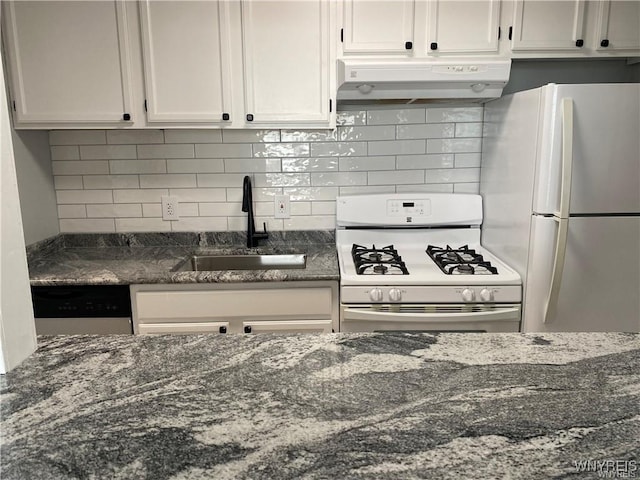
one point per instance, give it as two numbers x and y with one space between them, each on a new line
421 80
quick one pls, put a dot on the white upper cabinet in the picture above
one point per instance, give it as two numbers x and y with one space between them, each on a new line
547 25
69 62
420 28
463 26
186 57
618 26
287 62
378 26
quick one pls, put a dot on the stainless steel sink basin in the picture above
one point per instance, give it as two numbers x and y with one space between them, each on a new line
204 263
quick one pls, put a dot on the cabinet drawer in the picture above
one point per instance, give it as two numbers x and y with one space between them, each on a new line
288 326
193 327
160 306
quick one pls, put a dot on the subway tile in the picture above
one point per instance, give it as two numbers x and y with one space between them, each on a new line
453 175
107 152
113 211
396 177
426 130
428 188
201 224
72 211
188 209
67 152
300 208
280 149
469 129
472 187
323 208
309 164
311 193
138 196
281 179
367 189
223 150
166 151
259 194
170 180
327 179
128 137
77 137
454 114
151 210
94 182
251 136
87 225
309 135
348 164
199 194
264 209
84 196
192 136
76 167
454 145
375 132
348 117
220 179
395 116
468 160
339 149
221 209
412 162
142 225
251 165
195 165
239 224
397 147
137 166
315 222
67 182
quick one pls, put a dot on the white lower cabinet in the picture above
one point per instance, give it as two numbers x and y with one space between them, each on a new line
276 307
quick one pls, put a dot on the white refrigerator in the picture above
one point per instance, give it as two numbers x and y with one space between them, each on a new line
560 181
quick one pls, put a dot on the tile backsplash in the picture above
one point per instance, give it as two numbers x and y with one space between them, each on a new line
113 180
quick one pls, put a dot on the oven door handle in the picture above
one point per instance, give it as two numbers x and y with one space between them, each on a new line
506 314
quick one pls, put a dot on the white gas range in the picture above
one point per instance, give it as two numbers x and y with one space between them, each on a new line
414 262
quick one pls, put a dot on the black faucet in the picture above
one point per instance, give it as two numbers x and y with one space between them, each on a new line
247 206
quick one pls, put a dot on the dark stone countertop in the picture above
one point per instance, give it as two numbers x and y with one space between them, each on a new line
138 259
338 406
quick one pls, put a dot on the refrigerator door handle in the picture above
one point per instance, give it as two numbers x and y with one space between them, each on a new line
567 157
563 215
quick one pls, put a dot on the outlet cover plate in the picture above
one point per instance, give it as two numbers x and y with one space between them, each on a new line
170 207
282 206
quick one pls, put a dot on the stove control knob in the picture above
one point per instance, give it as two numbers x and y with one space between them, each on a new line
486 295
375 294
468 295
395 295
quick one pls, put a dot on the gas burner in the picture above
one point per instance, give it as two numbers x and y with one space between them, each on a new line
377 261
460 261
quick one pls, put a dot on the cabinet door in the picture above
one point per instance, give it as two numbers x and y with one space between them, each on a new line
546 25
618 26
182 327
377 26
69 61
186 61
463 26
286 61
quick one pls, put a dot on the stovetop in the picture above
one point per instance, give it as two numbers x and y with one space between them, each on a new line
419 257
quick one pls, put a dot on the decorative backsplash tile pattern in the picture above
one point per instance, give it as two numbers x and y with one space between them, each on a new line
112 181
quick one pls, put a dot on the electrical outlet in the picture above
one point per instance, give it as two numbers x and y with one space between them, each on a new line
282 207
170 208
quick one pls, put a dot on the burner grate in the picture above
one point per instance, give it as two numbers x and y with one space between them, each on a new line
460 261
377 261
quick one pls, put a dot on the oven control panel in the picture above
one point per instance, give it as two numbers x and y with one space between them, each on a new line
431 294
409 208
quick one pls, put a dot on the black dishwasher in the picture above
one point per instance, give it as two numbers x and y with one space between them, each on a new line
82 309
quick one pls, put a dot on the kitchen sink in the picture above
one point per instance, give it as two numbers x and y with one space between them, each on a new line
204 263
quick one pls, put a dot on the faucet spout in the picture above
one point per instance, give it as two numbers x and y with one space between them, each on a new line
247 206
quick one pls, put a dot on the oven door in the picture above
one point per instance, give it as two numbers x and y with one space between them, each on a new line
430 317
